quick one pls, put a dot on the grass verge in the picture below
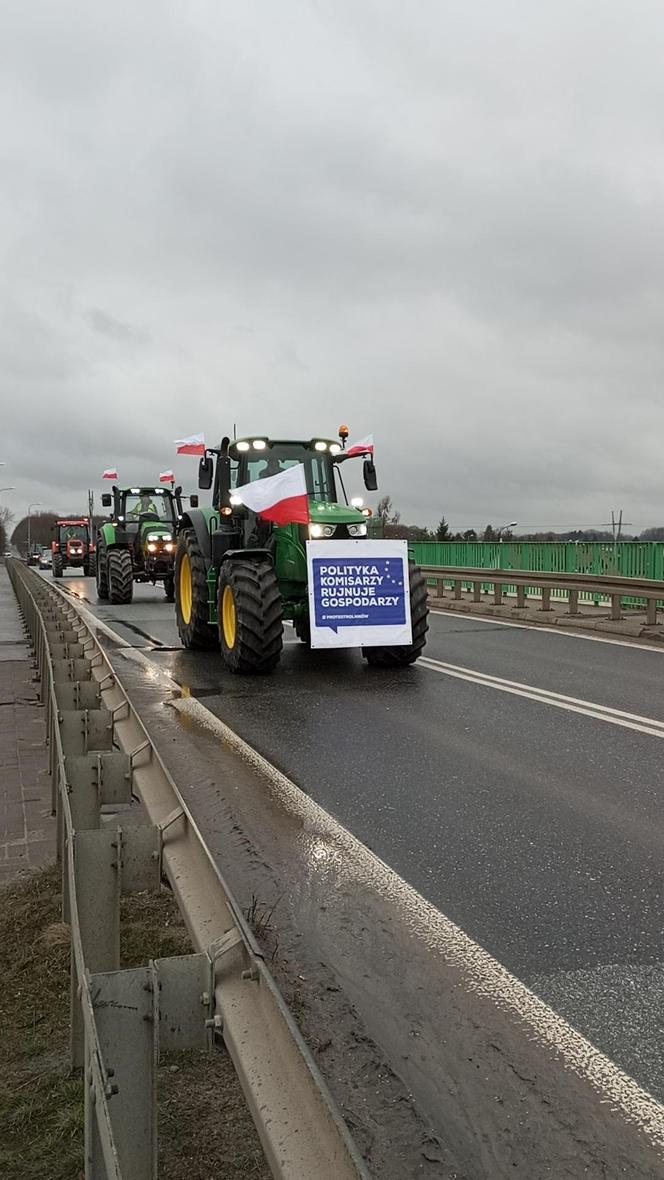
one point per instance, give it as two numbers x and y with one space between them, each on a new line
205 1128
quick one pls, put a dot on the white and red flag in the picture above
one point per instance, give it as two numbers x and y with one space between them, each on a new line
194 445
365 446
166 477
110 473
281 498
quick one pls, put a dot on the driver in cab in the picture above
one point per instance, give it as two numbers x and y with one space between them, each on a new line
144 505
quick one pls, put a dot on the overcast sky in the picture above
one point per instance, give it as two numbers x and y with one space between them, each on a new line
438 221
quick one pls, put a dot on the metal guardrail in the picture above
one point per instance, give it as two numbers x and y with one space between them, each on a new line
101 759
615 589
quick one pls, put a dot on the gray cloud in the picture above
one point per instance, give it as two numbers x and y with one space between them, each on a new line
441 223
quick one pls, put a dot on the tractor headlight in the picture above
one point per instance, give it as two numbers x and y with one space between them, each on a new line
166 537
152 548
322 530
169 547
357 530
153 536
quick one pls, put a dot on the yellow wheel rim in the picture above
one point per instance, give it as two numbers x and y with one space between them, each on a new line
186 588
228 617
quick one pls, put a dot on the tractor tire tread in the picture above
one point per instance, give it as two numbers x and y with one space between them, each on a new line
120 576
197 634
259 612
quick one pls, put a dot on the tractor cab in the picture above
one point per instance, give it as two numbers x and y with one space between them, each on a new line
331 514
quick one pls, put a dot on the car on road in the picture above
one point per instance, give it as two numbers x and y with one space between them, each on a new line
45 559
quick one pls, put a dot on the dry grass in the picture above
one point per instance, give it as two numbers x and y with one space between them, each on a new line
41 1107
204 1127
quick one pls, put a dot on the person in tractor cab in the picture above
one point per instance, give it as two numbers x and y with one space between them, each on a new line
272 467
144 506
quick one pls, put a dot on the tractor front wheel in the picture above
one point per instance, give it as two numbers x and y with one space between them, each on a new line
58 565
191 594
303 630
90 566
250 616
399 657
120 576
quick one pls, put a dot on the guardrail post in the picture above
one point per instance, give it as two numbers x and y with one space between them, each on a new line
497 594
123 1005
573 602
520 597
615 608
546 598
651 608
477 591
96 868
458 586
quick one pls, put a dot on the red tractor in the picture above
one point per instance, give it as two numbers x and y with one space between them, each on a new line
73 546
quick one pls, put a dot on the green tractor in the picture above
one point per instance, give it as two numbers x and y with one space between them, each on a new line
238 577
138 543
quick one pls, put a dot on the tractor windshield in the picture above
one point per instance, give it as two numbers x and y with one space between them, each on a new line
73 532
318 466
150 503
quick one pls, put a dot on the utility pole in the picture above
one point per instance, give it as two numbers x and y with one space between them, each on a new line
35 504
616 526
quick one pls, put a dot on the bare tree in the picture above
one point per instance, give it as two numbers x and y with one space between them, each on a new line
6 517
41 531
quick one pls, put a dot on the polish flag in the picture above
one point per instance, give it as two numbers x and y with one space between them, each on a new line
281 498
166 477
364 447
110 473
194 445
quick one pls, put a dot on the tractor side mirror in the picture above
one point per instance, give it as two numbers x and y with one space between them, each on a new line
370 477
106 500
205 472
193 501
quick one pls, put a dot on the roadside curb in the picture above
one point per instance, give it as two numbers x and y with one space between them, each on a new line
635 628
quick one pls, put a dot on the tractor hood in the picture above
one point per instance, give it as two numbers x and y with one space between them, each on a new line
158 527
330 513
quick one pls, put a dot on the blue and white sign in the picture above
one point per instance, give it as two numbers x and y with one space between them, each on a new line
359 593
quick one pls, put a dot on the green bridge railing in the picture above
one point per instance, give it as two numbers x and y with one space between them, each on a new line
627 559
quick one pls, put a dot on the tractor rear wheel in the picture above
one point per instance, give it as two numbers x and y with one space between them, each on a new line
250 610
399 657
101 575
120 576
191 594
90 566
58 565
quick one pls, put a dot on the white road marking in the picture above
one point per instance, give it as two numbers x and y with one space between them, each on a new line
648 725
562 632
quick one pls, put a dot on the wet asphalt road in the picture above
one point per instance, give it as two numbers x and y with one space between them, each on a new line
538 830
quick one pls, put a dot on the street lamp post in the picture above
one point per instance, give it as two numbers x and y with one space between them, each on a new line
512 525
30 507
